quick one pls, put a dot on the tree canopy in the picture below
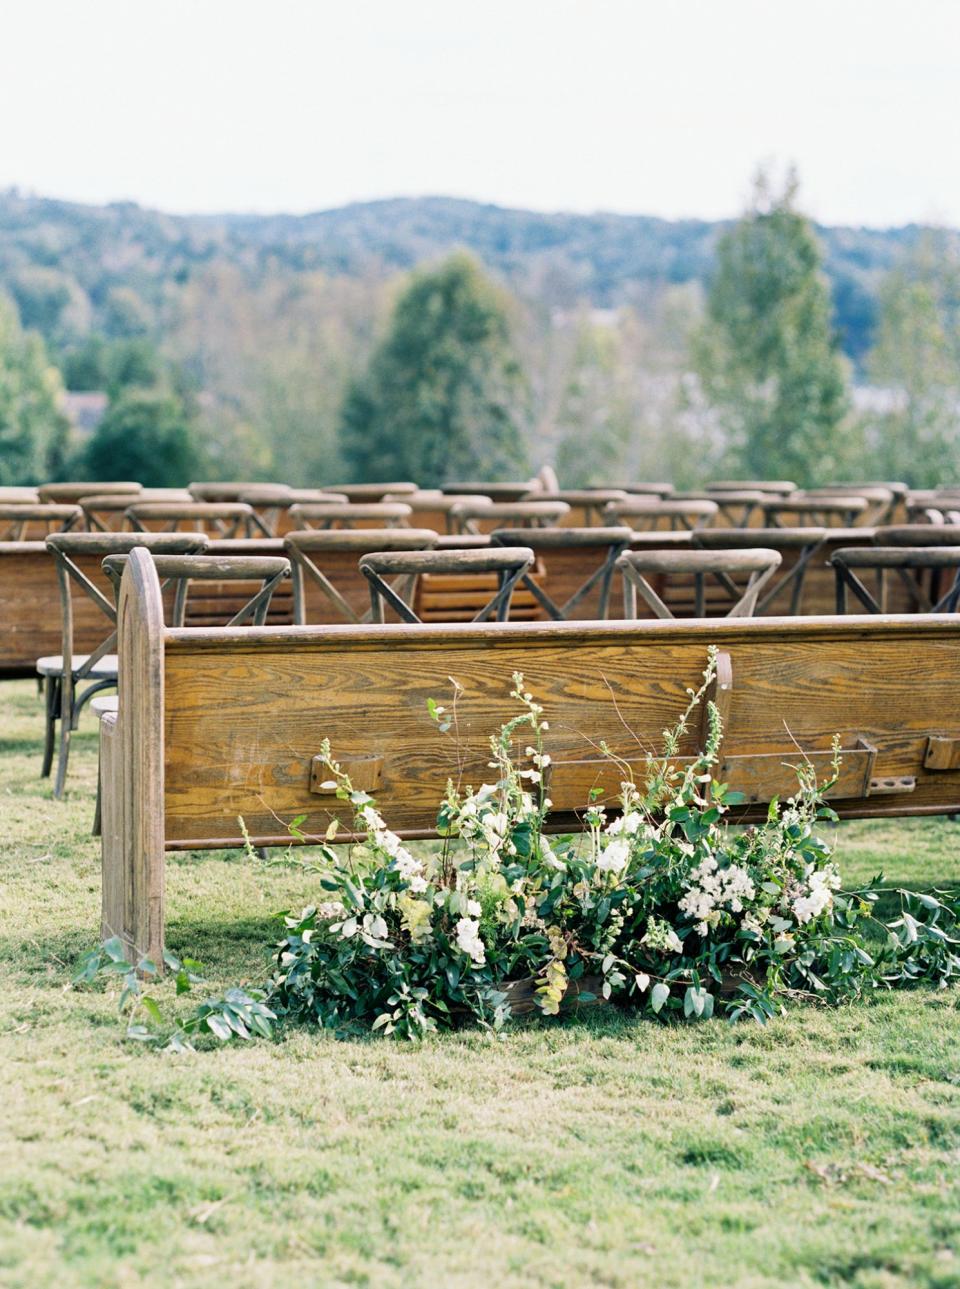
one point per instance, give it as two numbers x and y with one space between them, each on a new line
767 355
145 435
444 396
33 430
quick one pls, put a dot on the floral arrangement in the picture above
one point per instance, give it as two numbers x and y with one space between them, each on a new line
659 903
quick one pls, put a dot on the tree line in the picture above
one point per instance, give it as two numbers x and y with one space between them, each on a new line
443 373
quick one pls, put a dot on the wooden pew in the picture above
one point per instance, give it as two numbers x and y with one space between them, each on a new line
214 725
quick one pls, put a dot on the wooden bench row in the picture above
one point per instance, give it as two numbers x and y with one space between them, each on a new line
219 724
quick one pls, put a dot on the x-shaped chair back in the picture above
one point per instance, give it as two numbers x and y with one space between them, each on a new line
374 514
183 570
514 490
646 513
909 562
805 541
586 502
71 493
310 555
20 522
770 487
823 512
736 508
273 504
607 543
67 549
434 509
467 516
759 563
880 502
227 519
509 563
107 512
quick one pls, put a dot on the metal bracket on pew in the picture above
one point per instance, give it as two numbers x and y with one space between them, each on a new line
365 773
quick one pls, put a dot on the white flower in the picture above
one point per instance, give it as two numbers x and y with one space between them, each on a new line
613 858
372 819
473 908
468 940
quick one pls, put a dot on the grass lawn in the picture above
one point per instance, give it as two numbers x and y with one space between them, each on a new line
822 1150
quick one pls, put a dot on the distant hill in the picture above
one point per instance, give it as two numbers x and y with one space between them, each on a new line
116 266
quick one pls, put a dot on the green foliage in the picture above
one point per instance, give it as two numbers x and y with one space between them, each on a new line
33 430
145 435
444 396
595 422
917 361
665 906
767 356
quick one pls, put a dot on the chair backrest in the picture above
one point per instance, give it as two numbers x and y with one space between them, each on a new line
72 492
606 544
917 535
432 508
760 563
799 545
880 501
824 511
513 490
183 570
586 505
24 521
217 518
273 503
471 516
640 512
321 559
106 512
506 563
219 490
66 548
781 487
361 493
19 496
374 514
910 563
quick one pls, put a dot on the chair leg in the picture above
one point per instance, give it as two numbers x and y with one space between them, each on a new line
97 809
51 706
68 718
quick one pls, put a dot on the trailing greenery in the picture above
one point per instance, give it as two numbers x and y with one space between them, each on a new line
669 908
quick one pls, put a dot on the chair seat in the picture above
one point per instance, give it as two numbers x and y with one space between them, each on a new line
100 704
105 669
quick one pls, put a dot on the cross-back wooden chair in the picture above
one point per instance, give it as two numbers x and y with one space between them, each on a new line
182 571
274 503
227 519
513 490
909 563
759 563
642 488
432 508
877 510
589 501
823 512
467 516
71 493
607 544
310 550
23 521
772 487
374 514
806 542
106 512
65 674
362 493
508 563
734 508
642 513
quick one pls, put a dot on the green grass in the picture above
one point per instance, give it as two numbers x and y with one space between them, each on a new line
822 1150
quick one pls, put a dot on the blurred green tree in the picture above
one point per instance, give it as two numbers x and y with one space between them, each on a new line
916 361
145 435
595 421
767 356
33 430
444 396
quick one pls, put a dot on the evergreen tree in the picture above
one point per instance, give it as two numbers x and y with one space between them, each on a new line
767 355
444 397
145 436
33 430
917 361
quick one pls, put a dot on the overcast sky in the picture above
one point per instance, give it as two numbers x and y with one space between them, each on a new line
651 106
